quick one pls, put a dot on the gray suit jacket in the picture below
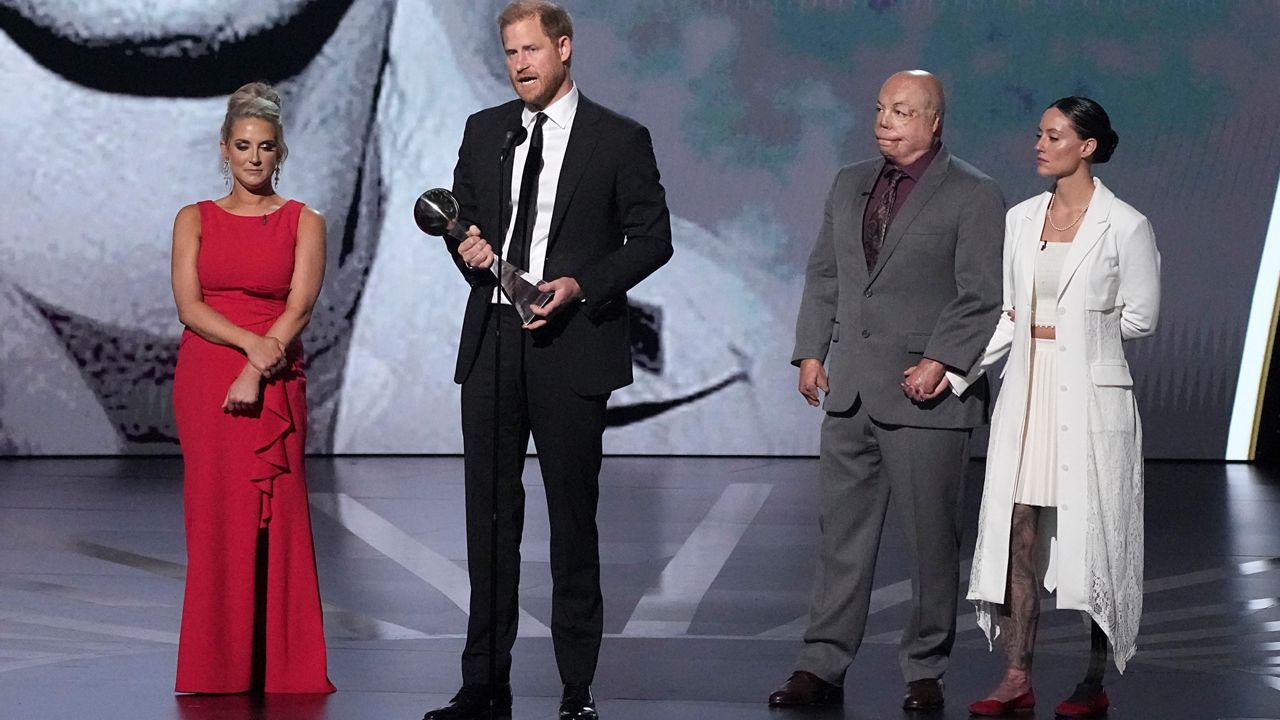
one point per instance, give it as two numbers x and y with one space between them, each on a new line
935 291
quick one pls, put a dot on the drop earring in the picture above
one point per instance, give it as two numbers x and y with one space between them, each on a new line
277 174
226 172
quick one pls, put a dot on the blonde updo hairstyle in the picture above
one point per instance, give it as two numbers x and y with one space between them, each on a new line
260 101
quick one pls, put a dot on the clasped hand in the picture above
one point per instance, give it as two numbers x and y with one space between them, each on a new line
267 355
242 396
922 382
267 358
925 380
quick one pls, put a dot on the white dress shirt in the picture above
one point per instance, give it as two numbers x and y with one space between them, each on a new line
555 138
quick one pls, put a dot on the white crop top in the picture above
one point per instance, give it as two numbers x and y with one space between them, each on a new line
1048 271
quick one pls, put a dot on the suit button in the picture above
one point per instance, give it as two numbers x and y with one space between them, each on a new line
868 293
866 333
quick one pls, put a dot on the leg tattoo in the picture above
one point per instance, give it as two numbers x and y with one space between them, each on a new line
1021 612
1019 626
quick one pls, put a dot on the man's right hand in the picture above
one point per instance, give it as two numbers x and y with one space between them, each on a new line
475 251
812 379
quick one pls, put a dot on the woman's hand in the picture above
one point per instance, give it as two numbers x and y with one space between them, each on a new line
266 355
242 396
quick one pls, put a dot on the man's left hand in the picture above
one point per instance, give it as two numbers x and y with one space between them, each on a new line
564 291
925 380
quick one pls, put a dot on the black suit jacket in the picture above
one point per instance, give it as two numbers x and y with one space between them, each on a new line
609 230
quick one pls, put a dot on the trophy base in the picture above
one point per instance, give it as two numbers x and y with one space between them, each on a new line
521 289
436 213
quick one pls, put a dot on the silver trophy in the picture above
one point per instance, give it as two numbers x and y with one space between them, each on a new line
436 213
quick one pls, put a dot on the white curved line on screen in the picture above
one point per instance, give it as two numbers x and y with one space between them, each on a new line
1257 344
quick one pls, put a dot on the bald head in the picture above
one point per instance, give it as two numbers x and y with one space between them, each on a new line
909 116
922 84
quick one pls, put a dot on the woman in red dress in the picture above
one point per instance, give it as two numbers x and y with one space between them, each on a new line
246 272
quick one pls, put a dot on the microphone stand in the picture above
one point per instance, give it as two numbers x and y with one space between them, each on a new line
437 213
512 139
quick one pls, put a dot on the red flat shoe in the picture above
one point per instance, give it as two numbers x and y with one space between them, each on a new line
1085 702
1026 702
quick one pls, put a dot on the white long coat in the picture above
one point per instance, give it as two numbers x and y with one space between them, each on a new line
1109 291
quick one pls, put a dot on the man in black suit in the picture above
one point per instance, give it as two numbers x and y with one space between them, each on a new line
590 215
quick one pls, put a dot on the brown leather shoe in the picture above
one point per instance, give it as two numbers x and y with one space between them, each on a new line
923 694
805 688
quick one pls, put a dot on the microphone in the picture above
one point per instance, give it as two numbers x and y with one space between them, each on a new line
514 137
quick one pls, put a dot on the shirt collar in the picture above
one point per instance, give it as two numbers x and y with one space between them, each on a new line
560 112
916 169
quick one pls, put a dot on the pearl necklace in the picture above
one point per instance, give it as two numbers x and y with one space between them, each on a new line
1049 214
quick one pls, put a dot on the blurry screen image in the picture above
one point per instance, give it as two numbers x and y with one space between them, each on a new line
753 107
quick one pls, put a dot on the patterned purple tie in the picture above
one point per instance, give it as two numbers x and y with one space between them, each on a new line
877 225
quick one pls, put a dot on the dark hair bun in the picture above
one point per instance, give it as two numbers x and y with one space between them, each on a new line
1106 145
1090 121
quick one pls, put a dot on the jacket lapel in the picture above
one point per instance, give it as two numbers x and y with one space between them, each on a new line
1093 225
1030 227
920 195
577 155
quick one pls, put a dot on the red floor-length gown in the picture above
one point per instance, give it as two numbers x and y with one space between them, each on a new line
248 622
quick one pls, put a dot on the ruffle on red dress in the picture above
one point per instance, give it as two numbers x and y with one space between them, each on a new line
270 457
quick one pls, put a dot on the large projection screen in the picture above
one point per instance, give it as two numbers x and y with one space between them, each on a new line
113 107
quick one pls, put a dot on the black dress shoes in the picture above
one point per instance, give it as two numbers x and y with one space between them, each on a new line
472 703
577 703
805 688
923 694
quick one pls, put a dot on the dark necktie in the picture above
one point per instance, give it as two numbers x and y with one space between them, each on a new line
877 225
526 213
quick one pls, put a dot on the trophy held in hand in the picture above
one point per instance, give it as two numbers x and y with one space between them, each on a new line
436 213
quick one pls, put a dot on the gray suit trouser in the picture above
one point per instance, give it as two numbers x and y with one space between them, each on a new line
864 464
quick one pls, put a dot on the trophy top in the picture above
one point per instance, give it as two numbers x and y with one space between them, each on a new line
435 211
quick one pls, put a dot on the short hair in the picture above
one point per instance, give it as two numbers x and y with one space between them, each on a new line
555 20
939 102
1090 121
256 100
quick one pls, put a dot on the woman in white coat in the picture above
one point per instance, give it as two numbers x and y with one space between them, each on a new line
1062 502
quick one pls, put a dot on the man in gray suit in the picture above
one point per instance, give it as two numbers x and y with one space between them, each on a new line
902 284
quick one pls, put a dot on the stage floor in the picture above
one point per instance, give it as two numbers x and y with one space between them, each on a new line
707 565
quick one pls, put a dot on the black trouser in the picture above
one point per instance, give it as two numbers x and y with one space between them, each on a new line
567 430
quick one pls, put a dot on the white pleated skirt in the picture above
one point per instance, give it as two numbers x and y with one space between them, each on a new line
1038 468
